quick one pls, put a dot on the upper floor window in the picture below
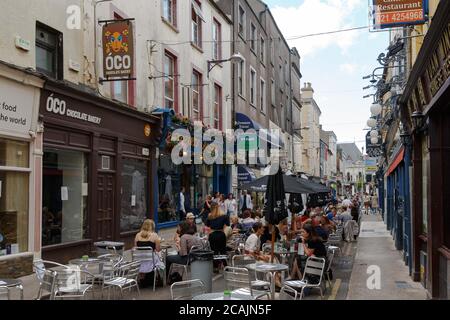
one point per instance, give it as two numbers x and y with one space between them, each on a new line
263 96
196 95
253 37
49 51
169 81
170 11
263 50
197 19
272 92
252 86
217 38
217 107
241 70
241 25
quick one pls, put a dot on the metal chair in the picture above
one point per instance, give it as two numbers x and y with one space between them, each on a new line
186 290
314 267
238 280
329 262
147 257
63 282
4 293
288 293
204 245
125 277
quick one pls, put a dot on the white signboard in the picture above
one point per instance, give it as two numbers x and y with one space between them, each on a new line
16 107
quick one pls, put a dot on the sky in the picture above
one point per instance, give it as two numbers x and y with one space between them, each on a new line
334 64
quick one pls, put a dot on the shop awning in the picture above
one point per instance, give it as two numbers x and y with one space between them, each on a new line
245 175
397 160
245 123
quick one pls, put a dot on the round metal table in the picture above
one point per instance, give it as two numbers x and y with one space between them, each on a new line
82 262
219 296
271 268
12 283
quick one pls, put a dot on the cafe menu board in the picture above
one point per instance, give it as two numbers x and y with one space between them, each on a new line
399 13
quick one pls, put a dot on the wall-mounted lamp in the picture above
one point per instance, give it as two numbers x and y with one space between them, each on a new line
234 59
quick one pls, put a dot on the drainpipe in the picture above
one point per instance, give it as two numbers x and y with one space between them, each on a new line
292 112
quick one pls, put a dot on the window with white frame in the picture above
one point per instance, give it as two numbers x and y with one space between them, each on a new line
217 107
242 24
196 95
272 92
253 37
217 38
169 81
196 23
252 86
263 96
170 11
263 50
241 72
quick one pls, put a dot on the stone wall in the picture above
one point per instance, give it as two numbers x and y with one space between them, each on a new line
16 267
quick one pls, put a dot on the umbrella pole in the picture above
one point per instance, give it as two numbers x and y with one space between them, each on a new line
273 244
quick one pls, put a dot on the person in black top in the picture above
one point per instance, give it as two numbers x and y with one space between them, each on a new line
267 235
217 221
312 246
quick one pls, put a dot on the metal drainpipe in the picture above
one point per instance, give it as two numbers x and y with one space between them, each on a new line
292 113
233 71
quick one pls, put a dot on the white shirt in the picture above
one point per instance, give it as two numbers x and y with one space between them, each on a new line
346 203
230 206
253 243
182 202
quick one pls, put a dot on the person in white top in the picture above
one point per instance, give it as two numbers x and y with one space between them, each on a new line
231 205
347 202
253 243
181 204
245 202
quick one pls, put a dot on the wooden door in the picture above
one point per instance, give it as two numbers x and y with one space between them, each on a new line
105 206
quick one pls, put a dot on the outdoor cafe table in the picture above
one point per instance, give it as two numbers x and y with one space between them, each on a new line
219 296
12 283
271 268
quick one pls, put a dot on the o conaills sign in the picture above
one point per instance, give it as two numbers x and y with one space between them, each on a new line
398 13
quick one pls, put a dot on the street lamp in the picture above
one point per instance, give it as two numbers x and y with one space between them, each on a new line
376 109
372 123
234 59
417 119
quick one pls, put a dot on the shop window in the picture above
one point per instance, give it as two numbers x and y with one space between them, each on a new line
49 51
134 207
64 196
14 193
169 185
14 153
425 177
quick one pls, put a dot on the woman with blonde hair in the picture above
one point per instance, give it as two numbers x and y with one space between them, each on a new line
148 238
217 221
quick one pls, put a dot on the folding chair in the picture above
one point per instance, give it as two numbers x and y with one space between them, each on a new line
238 280
186 290
314 268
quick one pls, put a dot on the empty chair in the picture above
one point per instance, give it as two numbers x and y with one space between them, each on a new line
186 290
288 293
329 262
125 278
238 280
314 269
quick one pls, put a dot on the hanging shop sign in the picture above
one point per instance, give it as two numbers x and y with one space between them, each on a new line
373 149
398 13
118 49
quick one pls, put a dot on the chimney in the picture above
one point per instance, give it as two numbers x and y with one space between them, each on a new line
307 91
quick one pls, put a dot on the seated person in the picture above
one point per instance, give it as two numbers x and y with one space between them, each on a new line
319 229
247 221
187 241
147 237
312 247
266 237
235 224
253 243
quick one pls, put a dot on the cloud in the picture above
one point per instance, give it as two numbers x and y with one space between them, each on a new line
349 68
315 16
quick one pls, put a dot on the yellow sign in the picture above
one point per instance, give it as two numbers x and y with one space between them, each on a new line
147 130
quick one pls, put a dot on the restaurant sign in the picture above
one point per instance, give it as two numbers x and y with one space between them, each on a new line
118 49
398 13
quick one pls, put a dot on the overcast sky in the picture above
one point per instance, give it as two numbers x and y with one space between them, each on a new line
334 64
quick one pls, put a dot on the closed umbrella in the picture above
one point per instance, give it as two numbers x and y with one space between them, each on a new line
275 203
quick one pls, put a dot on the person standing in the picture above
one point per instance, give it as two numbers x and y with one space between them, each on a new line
374 204
181 204
230 205
245 202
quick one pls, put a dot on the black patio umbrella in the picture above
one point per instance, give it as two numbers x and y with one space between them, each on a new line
295 203
275 209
